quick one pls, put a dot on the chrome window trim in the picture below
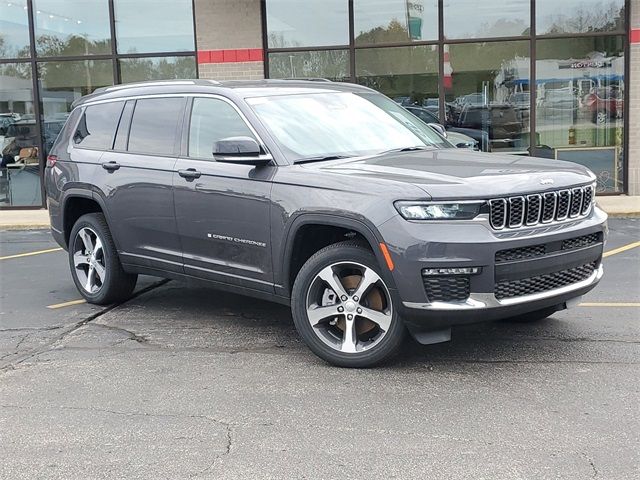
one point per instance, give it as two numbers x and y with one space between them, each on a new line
190 95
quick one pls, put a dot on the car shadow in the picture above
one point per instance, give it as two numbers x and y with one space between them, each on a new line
257 323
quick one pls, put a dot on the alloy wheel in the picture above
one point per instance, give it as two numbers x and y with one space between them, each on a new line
349 307
88 260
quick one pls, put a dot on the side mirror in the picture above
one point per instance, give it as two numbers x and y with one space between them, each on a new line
242 150
438 128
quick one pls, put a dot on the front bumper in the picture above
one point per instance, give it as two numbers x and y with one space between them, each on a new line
416 246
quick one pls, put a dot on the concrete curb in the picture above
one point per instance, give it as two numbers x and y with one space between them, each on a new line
615 206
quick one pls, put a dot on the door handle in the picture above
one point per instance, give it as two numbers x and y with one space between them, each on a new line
111 166
189 173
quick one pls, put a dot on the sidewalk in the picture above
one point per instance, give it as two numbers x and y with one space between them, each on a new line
618 206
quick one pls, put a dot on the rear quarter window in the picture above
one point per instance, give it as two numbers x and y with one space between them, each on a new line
97 126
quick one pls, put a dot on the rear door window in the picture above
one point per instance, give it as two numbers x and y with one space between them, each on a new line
154 125
97 126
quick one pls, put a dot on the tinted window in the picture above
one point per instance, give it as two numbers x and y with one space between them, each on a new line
213 120
98 125
154 125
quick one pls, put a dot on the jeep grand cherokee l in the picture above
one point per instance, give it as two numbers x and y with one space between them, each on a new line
327 197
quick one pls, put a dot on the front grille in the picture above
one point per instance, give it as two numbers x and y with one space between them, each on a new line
543 283
514 212
584 241
446 288
520 253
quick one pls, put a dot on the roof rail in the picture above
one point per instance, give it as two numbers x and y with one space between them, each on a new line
311 79
152 83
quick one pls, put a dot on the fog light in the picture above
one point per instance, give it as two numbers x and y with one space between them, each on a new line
451 271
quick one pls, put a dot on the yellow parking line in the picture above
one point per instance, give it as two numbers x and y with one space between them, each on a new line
621 249
610 304
28 254
66 304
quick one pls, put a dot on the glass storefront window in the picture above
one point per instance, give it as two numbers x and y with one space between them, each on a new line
579 16
157 68
63 82
487 94
316 23
144 26
484 19
329 64
395 21
14 29
580 104
19 164
72 27
408 75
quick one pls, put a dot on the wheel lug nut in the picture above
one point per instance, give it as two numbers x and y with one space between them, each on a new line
359 310
343 298
349 317
340 309
355 298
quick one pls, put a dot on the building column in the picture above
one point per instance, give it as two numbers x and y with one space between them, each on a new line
633 109
229 37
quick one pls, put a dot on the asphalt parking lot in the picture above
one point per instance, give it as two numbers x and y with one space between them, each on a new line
186 382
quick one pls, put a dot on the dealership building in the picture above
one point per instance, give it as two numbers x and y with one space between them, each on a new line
556 79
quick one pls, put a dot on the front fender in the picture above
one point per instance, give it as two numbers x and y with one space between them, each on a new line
297 221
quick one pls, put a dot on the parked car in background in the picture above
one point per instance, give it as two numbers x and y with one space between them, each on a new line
460 137
604 103
501 122
558 102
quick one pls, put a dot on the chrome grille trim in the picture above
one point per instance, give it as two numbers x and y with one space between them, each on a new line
541 208
549 204
576 202
534 209
498 216
564 204
516 204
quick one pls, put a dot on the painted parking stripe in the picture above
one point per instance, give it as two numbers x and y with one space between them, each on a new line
610 304
624 248
29 254
66 304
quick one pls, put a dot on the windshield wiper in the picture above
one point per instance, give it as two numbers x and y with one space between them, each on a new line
407 149
322 158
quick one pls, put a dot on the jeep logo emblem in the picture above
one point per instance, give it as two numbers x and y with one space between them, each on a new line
546 181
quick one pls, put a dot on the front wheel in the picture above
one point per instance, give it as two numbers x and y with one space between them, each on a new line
343 308
94 262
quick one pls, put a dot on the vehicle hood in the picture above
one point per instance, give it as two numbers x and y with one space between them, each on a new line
460 173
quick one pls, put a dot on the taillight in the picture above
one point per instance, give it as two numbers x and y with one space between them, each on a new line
51 160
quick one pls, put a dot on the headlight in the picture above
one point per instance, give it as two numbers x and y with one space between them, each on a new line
439 211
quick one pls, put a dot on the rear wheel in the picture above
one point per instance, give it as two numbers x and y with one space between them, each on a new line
343 309
95 266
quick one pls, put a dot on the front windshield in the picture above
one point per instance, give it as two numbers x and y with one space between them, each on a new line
313 125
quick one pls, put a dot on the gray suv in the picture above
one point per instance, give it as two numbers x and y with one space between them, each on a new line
327 197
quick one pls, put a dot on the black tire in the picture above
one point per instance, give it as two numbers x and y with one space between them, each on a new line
532 317
348 251
117 285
